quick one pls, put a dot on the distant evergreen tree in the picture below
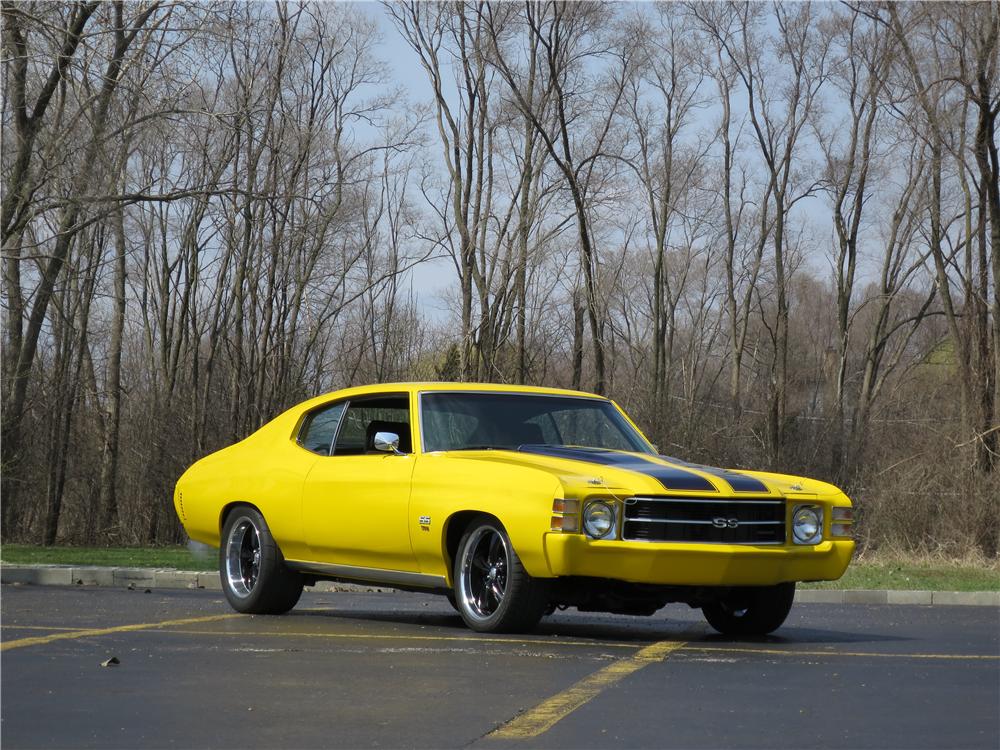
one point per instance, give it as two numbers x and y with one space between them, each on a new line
450 368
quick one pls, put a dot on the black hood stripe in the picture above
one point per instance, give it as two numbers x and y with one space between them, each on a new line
739 482
670 477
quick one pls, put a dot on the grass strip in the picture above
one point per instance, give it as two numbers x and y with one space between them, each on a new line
914 575
178 558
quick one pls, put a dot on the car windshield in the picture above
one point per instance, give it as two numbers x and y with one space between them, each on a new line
471 421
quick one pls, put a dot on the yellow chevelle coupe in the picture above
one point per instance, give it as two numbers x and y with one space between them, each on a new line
510 500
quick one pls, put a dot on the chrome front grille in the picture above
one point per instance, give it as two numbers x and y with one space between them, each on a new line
703 520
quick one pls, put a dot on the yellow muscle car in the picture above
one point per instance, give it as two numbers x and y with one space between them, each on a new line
511 501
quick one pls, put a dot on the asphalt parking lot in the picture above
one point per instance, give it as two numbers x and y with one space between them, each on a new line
400 670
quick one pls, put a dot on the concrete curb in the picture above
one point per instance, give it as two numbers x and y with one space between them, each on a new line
136 578
858 596
149 578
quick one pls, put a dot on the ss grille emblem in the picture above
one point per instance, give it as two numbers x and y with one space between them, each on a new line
725 523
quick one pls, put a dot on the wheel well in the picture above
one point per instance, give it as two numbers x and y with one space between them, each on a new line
228 508
457 524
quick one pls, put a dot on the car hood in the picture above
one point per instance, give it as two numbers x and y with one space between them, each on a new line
586 469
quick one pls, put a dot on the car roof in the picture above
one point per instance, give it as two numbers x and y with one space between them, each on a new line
481 387
430 386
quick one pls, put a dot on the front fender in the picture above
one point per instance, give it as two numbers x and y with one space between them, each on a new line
443 487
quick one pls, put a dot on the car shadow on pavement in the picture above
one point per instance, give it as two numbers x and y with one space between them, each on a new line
806 636
620 629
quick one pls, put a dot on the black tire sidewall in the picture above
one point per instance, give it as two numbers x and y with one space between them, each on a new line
277 589
522 605
766 611
490 623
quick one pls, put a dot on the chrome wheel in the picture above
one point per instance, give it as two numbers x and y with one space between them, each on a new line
243 557
483 575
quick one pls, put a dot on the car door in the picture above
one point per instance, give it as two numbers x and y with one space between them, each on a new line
355 500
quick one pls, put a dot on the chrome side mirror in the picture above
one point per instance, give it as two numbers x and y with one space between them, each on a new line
387 442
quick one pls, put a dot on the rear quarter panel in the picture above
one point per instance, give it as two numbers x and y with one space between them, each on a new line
266 470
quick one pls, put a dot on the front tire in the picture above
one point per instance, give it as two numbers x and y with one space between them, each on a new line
254 577
751 610
493 591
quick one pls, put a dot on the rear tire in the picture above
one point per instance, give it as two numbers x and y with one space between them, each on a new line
751 610
254 577
493 592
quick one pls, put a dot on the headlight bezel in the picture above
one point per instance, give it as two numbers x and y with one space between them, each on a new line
611 517
816 535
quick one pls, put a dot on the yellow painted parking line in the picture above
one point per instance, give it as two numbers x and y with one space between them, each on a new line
91 632
545 715
855 654
406 637
36 627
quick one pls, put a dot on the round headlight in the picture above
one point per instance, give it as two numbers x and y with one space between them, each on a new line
807 524
598 519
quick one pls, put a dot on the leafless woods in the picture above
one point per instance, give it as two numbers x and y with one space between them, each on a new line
771 230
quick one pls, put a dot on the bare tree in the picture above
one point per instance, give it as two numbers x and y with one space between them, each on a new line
660 101
779 106
129 36
932 75
567 36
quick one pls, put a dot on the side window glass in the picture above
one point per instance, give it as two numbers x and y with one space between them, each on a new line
366 417
320 429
